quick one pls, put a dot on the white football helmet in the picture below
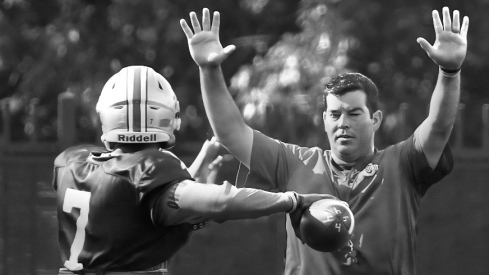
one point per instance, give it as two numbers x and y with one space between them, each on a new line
138 105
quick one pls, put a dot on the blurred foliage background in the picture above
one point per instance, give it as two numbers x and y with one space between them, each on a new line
286 51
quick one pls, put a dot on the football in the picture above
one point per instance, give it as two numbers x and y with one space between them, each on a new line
327 224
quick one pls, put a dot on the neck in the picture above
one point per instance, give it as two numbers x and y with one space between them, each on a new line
358 163
342 163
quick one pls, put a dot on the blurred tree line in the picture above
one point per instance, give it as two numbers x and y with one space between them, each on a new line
286 51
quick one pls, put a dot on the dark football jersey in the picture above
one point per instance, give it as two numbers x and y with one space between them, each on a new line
104 208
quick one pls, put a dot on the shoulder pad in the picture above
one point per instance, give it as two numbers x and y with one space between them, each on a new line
76 153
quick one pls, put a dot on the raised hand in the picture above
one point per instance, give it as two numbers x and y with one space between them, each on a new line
204 45
208 162
450 45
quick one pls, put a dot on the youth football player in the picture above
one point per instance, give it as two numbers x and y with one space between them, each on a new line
131 205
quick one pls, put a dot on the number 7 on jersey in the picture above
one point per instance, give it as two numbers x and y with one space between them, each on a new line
81 200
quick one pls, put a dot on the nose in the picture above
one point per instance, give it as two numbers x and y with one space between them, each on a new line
343 122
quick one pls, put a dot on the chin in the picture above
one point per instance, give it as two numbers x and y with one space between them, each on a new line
344 151
347 150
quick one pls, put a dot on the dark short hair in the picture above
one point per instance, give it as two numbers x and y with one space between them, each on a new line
348 82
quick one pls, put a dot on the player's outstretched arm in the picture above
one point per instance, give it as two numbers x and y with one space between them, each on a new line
191 200
224 116
448 52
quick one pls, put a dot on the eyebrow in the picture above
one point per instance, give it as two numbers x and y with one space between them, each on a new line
352 110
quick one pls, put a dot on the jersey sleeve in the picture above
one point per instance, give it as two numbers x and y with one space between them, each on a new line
267 165
423 175
77 153
272 163
157 172
190 201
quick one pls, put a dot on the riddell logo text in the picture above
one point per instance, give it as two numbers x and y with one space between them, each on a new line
140 138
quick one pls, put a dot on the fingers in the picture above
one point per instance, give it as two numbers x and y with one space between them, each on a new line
448 25
447 21
437 22
216 164
213 140
195 22
186 29
456 22
425 45
206 19
206 23
465 27
214 143
216 22
218 58
229 49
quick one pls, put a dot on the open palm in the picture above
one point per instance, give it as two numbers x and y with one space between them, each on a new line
204 44
450 46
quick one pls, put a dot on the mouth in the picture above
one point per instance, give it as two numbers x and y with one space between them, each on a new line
343 137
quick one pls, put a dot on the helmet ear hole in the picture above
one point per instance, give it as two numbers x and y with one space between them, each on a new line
177 123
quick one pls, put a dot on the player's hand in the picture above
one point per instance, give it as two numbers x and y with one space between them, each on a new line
203 43
450 46
208 162
303 202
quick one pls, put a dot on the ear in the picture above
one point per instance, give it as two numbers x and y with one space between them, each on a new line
324 120
377 119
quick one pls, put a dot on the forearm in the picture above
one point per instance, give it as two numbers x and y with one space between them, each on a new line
226 202
198 161
224 116
444 103
223 113
434 132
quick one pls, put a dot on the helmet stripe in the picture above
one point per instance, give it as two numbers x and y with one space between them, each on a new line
144 99
130 95
128 113
136 100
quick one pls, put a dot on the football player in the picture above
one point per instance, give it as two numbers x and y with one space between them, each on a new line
131 205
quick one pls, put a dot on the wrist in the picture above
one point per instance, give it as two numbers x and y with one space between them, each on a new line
209 70
293 199
450 73
209 66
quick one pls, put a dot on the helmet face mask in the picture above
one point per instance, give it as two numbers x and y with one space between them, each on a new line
138 105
